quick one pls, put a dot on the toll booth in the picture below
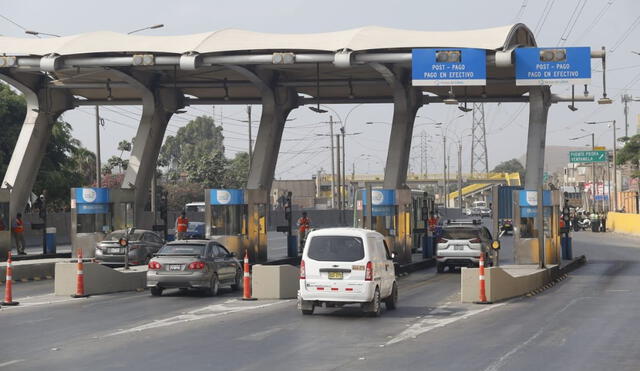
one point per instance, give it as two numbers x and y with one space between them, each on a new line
95 212
422 204
525 210
5 224
230 219
391 211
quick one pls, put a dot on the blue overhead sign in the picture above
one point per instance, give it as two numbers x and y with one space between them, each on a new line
449 67
549 66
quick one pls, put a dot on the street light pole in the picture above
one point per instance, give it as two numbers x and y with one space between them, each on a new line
593 171
333 169
460 175
250 137
444 170
98 164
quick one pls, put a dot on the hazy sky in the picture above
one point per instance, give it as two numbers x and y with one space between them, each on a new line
303 153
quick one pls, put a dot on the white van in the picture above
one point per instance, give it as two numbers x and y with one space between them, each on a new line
347 266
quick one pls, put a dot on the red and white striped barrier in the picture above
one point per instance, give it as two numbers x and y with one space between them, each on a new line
246 279
8 289
80 278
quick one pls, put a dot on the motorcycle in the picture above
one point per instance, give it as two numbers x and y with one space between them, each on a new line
582 224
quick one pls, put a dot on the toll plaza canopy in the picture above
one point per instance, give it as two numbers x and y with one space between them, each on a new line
195 64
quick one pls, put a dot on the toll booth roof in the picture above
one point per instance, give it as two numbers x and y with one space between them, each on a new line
80 62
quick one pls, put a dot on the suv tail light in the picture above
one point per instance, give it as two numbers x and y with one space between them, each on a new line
442 240
154 265
303 271
475 240
368 273
197 265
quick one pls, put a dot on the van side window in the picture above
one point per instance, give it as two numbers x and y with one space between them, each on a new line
386 249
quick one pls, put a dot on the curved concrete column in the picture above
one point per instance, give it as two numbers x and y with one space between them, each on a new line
406 102
44 106
539 103
158 105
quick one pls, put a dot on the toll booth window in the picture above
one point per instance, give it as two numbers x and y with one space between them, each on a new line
528 227
228 220
4 216
91 223
336 248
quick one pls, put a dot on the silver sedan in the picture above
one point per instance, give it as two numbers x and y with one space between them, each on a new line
197 264
142 245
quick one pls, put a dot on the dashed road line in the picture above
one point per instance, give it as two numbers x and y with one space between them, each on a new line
9 363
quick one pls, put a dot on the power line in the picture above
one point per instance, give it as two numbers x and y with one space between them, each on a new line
572 22
520 11
13 22
543 16
625 34
595 20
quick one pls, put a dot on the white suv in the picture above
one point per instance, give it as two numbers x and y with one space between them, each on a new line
461 243
347 266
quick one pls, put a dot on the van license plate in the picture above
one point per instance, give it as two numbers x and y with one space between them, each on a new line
335 275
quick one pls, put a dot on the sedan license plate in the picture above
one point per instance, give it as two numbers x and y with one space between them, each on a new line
114 250
175 267
458 247
335 275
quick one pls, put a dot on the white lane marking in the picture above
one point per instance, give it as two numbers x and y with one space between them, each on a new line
209 311
495 366
259 336
9 363
430 322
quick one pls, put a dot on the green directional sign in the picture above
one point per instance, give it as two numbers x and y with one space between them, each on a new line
587 156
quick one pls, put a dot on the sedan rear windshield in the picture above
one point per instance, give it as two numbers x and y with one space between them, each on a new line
182 250
336 248
460 233
116 235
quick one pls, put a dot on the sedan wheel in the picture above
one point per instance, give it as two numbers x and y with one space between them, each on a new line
156 291
214 286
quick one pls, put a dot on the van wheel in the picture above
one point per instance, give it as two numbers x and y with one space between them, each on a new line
156 291
306 306
392 300
373 307
440 268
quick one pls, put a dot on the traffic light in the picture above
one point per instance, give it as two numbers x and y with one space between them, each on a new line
553 55
287 207
42 206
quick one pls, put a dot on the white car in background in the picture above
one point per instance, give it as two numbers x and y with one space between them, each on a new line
343 266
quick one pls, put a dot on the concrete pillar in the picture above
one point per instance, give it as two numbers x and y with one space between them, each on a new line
44 106
539 103
406 102
277 103
158 105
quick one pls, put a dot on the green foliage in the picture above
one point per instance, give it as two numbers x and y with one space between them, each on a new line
12 112
510 166
124 146
180 194
237 171
630 154
207 170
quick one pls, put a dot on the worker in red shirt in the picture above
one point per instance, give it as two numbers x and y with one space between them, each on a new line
304 225
17 230
182 224
433 221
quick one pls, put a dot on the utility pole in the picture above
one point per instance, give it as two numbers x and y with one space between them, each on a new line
593 171
338 168
98 165
423 154
333 169
460 175
344 161
448 174
250 137
479 155
615 170
626 98
444 170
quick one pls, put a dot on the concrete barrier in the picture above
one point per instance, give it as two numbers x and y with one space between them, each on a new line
274 281
98 279
30 270
624 223
505 282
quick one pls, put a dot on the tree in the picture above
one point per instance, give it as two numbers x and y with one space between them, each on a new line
237 171
124 146
630 154
197 140
510 166
207 170
84 161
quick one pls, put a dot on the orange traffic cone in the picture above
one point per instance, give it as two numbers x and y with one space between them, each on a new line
9 285
80 278
483 295
246 279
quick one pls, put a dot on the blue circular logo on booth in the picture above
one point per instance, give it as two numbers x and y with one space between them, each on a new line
223 196
89 195
377 197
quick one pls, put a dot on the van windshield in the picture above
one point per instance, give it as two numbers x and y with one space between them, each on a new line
336 248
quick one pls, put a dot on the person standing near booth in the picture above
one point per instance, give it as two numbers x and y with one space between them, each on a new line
18 234
304 224
182 224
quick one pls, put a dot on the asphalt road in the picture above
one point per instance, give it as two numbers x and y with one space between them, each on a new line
586 322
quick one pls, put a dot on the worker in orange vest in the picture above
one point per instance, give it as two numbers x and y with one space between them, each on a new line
18 234
182 224
304 224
